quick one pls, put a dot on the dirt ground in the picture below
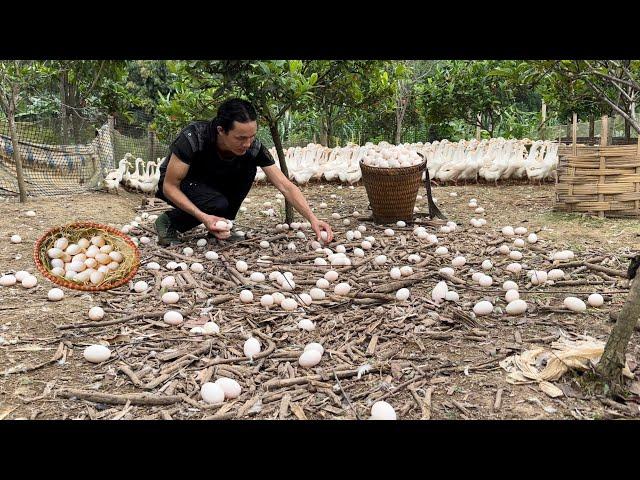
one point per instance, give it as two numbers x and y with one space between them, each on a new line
417 352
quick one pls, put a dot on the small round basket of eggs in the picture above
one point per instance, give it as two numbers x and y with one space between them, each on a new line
392 178
86 256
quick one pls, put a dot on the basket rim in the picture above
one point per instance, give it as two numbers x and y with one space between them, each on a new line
392 171
72 285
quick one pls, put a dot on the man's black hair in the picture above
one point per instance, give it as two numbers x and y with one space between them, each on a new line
234 110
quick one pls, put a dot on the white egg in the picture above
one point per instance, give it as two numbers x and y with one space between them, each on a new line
8 280
518 243
322 283
73 249
170 297
358 252
515 255
211 255
331 276
439 292
98 241
406 271
211 392
414 258
381 410
140 286
310 358
96 313
508 231
362 228
242 266
70 275
317 294
172 265
514 268
229 386
555 274
487 265
389 232
532 238
538 277
442 251
246 296
257 277
403 294
91 263
21 274
341 249
96 353
188 251
380 260
504 249
306 324
182 266
511 295
278 297
145 240
202 242
29 281
445 229
196 267
16 239
516 307
595 300
458 261
96 277
55 294
485 281
306 299
342 288
266 300
575 304
251 347
173 317
479 210
30 213
395 273
483 308
54 253
289 304
447 271
197 331
401 224
58 272
509 285
314 346
452 296
211 328
168 282
366 245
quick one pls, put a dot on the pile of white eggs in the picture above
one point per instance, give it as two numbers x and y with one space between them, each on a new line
392 157
87 260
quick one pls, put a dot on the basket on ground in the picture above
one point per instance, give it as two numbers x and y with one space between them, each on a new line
74 232
392 192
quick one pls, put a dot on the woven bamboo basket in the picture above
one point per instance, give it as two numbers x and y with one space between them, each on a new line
392 192
75 231
599 180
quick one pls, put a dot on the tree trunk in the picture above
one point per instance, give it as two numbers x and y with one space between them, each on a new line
627 131
592 125
613 359
16 150
275 135
400 112
63 108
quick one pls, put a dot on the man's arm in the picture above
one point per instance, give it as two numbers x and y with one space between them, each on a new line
176 172
293 194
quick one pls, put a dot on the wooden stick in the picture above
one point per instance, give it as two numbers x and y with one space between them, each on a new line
111 399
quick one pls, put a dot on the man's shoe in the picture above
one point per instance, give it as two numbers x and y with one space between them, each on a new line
167 234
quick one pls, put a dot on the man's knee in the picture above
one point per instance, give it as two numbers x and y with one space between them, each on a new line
214 204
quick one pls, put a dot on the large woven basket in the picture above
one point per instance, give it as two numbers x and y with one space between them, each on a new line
122 243
392 192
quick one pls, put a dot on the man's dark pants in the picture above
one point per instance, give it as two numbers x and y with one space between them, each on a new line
203 196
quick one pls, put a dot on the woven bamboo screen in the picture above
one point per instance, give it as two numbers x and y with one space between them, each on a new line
602 180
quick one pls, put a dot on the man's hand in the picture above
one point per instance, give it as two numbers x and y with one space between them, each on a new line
210 221
319 226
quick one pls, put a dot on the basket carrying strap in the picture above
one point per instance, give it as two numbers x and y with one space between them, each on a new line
433 209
